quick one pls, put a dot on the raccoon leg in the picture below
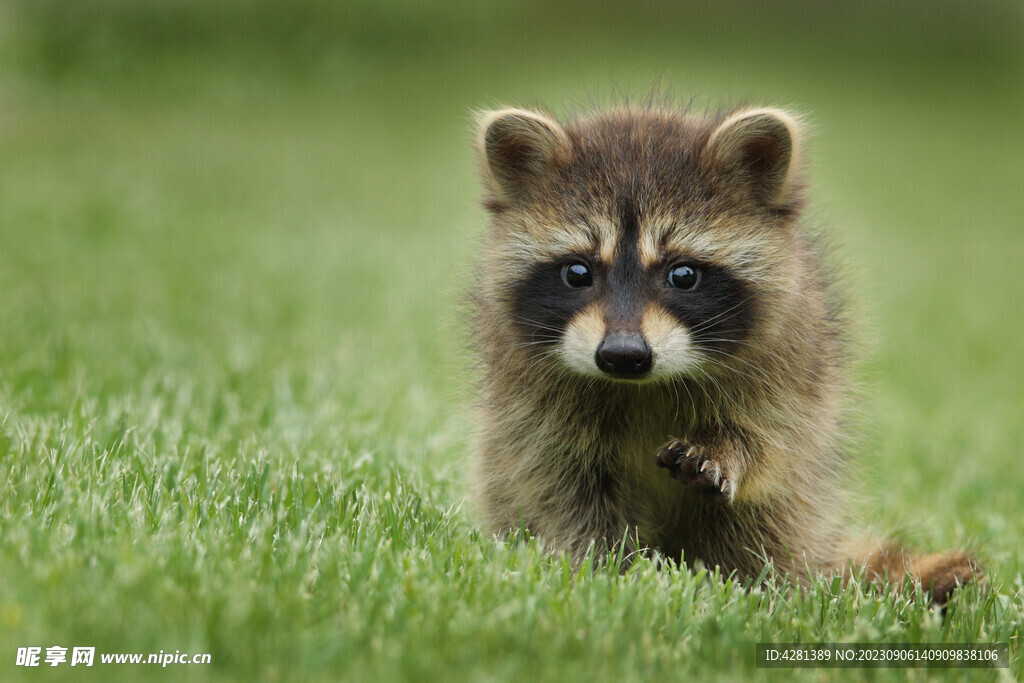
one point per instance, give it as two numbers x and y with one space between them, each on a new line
939 574
595 520
576 515
713 467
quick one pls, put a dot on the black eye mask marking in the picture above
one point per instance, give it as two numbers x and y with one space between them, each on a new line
543 303
718 312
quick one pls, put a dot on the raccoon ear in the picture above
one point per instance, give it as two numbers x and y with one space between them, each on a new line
764 145
517 148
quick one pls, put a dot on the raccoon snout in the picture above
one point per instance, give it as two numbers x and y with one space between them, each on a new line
623 353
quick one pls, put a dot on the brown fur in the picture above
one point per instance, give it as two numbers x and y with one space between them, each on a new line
572 453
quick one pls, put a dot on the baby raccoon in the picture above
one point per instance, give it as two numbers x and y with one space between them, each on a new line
662 363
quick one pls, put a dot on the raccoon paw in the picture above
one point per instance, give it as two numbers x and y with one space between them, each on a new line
692 466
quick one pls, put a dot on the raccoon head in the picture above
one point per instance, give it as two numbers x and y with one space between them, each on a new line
639 244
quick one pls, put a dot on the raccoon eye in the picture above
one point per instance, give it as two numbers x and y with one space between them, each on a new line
577 274
683 277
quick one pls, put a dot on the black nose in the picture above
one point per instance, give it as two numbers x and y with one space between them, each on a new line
624 354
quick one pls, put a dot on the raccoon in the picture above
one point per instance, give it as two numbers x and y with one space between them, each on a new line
662 363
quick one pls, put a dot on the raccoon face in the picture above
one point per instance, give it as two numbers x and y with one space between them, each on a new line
638 245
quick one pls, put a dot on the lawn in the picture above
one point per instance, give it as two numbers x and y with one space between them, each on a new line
235 396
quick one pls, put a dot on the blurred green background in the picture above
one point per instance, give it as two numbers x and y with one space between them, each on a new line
233 241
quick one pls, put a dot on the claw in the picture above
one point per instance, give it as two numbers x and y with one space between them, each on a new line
693 469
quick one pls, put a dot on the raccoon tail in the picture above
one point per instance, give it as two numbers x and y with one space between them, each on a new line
939 574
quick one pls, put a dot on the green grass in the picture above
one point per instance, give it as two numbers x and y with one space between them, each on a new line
233 386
